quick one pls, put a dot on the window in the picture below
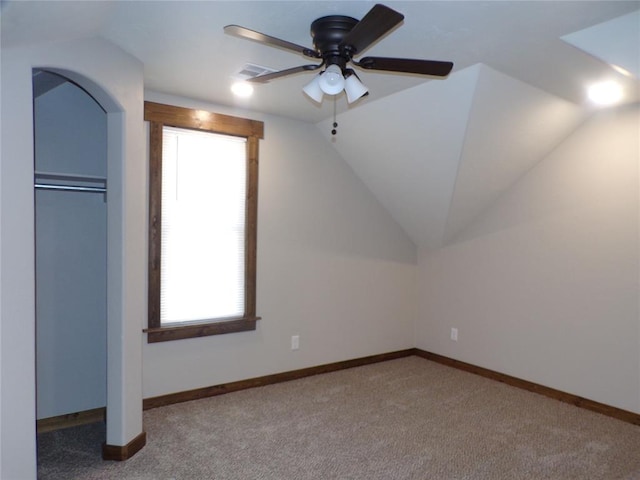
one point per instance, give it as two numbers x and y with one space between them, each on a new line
202 222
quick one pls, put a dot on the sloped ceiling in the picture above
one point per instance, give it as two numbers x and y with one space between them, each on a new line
465 141
411 166
511 127
469 139
436 153
616 42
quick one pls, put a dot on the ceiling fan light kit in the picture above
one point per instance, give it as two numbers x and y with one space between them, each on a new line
354 88
336 40
313 90
332 80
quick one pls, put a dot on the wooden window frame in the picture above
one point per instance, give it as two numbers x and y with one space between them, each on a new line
159 116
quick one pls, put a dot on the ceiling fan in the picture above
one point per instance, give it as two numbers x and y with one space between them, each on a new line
337 39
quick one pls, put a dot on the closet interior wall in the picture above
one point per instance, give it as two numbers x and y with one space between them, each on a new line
71 245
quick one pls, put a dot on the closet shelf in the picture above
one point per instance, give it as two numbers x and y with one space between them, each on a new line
70 182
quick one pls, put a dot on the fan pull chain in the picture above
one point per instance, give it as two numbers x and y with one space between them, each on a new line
335 124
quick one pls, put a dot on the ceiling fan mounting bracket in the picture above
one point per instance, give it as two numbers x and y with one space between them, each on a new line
328 33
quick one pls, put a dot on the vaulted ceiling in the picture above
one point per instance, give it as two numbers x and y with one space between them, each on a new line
436 153
469 139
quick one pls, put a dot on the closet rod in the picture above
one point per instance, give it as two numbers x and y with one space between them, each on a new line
72 188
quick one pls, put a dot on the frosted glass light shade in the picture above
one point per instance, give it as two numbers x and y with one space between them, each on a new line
354 88
313 90
332 81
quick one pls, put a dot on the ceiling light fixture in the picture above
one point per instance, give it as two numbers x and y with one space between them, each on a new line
332 81
605 93
242 89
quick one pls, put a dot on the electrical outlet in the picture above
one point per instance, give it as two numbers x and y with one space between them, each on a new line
454 334
295 342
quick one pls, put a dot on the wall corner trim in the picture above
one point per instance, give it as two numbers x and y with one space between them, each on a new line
608 410
604 409
124 452
186 396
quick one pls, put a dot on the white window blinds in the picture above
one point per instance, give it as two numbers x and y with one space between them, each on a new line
204 180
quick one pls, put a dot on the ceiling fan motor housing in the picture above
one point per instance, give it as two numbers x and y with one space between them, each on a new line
328 33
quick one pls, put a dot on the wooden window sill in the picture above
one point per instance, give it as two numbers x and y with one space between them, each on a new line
180 332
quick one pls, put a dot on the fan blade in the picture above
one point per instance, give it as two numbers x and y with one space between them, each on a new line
406 65
289 71
378 21
242 32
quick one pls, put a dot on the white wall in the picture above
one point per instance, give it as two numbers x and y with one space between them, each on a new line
71 251
115 79
544 286
333 267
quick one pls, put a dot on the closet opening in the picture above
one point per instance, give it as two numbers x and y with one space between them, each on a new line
70 188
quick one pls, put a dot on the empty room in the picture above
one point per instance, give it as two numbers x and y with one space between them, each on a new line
320 240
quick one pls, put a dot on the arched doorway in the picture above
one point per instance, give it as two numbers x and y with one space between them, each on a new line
70 150
115 79
124 435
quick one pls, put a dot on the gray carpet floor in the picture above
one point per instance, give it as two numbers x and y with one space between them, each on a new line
402 419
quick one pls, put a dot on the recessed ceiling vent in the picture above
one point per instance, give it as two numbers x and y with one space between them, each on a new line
250 71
